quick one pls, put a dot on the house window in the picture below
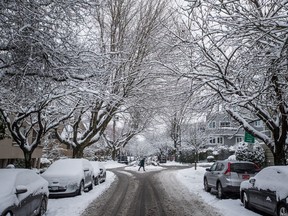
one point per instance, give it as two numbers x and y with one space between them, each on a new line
212 140
202 129
225 124
34 135
212 124
258 123
52 135
220 140
239 139
216 140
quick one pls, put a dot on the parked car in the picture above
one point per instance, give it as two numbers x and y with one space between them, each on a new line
99 172
123 159
22 192
69 177
226 176
267 191
162 159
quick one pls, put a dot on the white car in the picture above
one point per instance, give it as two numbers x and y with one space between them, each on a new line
69 177
22 192
99 172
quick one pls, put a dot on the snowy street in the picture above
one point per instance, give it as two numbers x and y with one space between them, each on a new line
161 190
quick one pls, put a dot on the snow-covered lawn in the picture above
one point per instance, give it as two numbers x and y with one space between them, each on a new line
190 178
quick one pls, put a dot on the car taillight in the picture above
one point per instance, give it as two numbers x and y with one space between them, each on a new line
228 171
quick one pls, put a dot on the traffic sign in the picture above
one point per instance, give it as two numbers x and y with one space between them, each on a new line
249 138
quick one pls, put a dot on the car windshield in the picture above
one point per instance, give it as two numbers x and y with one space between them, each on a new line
64 166
243 167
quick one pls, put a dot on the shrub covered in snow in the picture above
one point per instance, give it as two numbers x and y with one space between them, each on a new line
255 154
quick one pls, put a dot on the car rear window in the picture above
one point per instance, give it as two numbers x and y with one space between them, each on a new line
243 168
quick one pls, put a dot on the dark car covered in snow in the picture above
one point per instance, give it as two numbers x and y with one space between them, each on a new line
22 192
267 191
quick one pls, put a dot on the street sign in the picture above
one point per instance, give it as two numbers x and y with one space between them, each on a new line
249 138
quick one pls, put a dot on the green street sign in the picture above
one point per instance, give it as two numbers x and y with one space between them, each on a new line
249 138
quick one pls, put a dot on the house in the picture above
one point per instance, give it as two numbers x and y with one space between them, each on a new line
10 153
223 130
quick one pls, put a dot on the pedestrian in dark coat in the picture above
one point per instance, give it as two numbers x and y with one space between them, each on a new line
142 164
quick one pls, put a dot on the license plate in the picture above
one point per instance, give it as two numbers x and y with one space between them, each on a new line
245 176
54 188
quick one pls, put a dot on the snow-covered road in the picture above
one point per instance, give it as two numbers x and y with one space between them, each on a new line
184 185
154 192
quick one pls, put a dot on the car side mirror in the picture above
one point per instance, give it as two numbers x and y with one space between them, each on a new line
21 189
208 169
252 181
86 169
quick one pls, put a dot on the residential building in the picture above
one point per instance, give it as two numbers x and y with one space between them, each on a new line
223 130
10 153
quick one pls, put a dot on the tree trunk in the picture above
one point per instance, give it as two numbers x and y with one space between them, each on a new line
28 159
279 154
114 154
78 152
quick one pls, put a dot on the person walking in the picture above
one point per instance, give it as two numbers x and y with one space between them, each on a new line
142 164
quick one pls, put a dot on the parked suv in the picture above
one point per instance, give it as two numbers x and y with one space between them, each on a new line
226 176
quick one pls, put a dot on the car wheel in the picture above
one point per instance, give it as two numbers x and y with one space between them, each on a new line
92 184
8 214
206 187
220 193
96 181
246 201
43 207
81 188
282 210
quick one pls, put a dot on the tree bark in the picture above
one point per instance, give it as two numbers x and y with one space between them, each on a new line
78 152
279 154
28 159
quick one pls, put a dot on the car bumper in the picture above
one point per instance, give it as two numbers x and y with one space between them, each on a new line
61 194
232 189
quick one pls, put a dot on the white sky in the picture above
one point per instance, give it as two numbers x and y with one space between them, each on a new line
190 178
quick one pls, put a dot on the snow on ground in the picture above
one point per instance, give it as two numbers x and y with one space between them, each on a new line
190 178
193 180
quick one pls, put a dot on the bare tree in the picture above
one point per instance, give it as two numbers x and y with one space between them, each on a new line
27 128
38 53
132 122
123 42
240 59
195 136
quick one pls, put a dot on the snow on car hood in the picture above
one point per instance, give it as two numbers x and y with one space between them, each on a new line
66 171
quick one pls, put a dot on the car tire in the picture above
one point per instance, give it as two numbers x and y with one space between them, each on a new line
104 178
43 207
220 193
246 201
282 210
206 186
8 214
96 181
81 188
92 184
